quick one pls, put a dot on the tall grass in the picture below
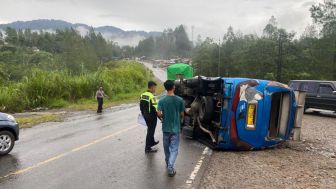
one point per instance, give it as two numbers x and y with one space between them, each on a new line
54 89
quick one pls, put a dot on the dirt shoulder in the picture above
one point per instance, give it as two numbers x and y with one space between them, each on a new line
310 163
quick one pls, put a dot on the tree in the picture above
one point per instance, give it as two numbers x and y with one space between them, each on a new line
324 14
205 58
227 48
1 38
146 47
127 52
171 43
310 32
11 36
3 74
270 30
183 44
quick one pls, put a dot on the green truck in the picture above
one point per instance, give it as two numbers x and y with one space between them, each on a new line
179 71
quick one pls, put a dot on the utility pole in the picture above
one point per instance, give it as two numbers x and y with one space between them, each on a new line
219 49
279 63
192 36
192 42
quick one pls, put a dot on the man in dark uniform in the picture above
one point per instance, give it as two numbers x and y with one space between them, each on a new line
148 107
100 99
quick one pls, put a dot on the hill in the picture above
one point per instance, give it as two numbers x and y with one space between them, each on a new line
111 33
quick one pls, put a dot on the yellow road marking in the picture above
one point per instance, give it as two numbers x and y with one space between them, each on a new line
21 171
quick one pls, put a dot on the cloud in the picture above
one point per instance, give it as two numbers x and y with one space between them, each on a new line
209 17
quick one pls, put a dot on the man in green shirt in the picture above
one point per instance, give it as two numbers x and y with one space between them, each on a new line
171 110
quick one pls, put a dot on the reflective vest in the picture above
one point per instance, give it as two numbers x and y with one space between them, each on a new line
150 98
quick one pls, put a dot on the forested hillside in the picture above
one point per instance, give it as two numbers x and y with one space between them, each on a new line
277 54
172 43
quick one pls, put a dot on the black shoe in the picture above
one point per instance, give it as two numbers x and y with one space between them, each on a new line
155 143
172 174
151 150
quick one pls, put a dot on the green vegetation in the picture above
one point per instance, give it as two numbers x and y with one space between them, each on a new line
275 55
172 43
121 80
64 69
60 69
21 51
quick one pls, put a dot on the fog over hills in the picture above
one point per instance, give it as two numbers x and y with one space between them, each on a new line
110 33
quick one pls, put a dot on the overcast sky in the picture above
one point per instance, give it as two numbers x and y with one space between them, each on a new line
209 17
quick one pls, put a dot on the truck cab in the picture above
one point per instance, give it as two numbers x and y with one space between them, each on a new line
237 113
320 94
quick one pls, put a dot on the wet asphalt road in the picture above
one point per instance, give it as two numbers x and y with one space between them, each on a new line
158 72
94 151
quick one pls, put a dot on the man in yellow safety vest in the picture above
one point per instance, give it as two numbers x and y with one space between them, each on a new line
148 108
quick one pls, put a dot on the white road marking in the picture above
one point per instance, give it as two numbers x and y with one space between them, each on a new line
197 167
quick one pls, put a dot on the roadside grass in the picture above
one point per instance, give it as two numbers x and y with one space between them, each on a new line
32 120
80 105
41 89
91 104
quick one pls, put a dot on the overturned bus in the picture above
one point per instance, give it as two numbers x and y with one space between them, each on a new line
237 113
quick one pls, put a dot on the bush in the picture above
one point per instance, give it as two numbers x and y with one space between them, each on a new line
11 98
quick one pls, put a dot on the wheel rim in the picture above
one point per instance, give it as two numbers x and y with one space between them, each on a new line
5 143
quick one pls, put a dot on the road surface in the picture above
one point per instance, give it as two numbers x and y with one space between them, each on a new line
158 72
97 151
